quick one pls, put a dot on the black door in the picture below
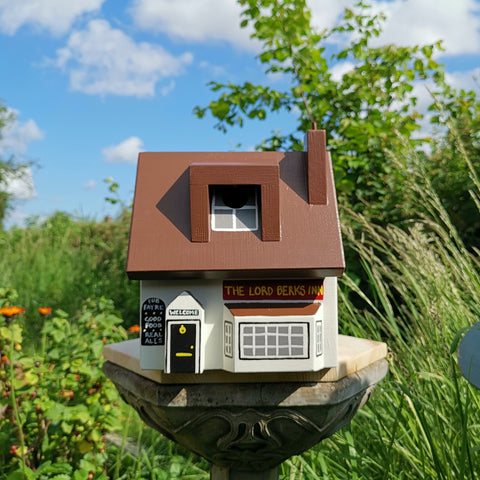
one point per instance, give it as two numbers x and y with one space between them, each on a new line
183 349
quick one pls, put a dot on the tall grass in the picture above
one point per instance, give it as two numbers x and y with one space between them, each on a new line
143 453
423 421
61 262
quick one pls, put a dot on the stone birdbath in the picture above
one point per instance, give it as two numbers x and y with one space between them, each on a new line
246 425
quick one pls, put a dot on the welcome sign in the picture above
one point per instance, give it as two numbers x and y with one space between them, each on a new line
287 290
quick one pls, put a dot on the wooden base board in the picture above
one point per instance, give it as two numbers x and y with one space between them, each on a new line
353 355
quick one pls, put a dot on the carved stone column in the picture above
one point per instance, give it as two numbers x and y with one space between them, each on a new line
246 430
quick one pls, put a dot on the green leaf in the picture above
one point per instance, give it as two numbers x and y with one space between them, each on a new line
55 411
5 333
80 475
96 435
84 446
219 109
97 348
87 465
66 427
56 468
81 416
12 333
54 354
24 473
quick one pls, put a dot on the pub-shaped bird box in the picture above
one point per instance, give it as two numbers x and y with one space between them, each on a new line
238 256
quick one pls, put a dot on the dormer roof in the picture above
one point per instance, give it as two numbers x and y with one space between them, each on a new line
171 234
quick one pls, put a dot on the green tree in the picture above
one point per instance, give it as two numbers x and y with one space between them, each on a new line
372 106
454 162
9 168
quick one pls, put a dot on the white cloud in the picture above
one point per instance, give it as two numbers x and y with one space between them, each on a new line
16 135
57 16
469 80
125 152
217 20
103 60
325 14
15 138
193 20
340 69
19 184
409 22
414 22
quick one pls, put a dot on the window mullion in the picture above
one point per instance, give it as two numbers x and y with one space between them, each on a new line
234 216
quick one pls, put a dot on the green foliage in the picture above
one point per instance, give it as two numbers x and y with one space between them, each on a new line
60 416
454 163
423 420
421 288
56 404
114 198
61 262
369 107
153 456
112 188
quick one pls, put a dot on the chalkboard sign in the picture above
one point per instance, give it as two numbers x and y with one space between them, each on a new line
153 322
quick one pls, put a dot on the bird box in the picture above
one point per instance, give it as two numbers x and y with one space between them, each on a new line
238 256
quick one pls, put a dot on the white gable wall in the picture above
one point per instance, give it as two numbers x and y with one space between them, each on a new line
330 322
209 294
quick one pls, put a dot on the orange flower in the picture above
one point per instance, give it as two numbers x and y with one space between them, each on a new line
4 358
11 311
45 310
134 328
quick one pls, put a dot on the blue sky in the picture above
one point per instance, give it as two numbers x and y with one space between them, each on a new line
93 82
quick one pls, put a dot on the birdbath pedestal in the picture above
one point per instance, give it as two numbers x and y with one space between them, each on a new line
247 428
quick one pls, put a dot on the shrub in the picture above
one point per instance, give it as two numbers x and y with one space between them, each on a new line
56 405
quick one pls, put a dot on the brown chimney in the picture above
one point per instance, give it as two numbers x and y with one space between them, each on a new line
317 167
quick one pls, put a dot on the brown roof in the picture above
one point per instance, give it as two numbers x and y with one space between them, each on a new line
307 243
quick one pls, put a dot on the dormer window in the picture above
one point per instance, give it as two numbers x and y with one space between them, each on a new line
234 208
240 196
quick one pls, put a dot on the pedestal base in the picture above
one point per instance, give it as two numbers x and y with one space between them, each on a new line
219 473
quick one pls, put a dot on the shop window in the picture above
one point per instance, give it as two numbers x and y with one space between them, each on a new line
228 339
319 338
273 341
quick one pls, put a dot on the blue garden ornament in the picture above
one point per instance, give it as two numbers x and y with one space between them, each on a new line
469 355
